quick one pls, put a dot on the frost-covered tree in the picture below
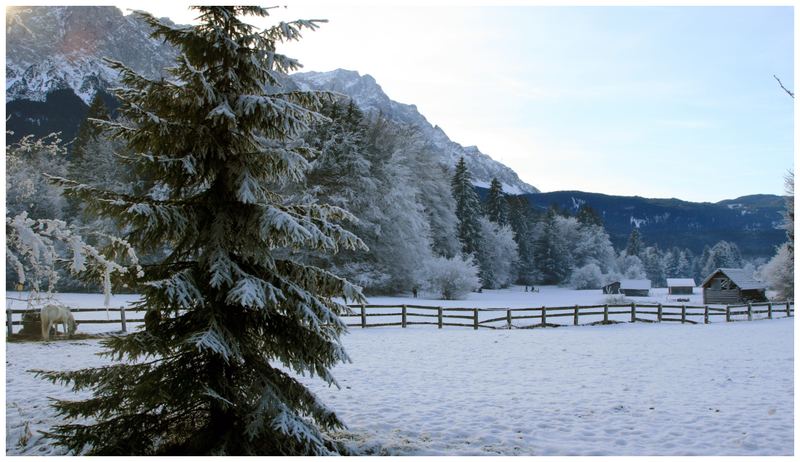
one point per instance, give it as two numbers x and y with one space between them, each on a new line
778 273
553 258
635 245
450 278
653 262
521 219
496 206
27 187
497 255
589 216
232 318
36 248
723 254
468 208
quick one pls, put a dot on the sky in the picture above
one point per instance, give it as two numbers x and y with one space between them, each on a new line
674 101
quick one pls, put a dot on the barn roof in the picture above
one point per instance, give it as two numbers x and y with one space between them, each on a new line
743 279
636 284
680 282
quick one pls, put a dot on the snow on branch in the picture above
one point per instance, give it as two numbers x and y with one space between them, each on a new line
35 246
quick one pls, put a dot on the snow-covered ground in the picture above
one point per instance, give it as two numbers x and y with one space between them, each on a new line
626 389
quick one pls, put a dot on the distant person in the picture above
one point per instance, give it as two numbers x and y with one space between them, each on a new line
414 291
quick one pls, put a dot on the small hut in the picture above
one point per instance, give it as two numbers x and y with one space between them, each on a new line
680 286
635 287
612 288
727 286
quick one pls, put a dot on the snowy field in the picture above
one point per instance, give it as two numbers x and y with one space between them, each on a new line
626 389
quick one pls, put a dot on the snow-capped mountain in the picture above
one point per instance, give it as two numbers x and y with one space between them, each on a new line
369 96
61 47
50 48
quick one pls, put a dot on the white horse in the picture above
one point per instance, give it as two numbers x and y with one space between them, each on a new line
57 314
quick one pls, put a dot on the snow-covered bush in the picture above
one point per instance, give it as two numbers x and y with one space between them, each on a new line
450 278
587 277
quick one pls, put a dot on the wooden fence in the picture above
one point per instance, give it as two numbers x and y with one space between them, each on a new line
508 318
505 318
122 321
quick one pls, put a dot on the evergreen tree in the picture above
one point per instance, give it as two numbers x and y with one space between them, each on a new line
89 130
635 246
468 208
232 318
589 216
496 206
552 255
520 217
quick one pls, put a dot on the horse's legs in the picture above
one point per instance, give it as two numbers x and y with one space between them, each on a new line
45 328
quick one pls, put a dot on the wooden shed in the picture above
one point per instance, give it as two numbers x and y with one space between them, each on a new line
635 287
680 286
612 288
727 286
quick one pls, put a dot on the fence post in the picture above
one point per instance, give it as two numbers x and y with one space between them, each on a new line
705 314
404 316
788 310
660 311
633 311
363 316
683 314
575 316
749 311
440 317
727 313
544 316
475 318
605 313
508 319
122 318
769 311
11 322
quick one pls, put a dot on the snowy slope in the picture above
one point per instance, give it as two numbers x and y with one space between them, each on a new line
369 96
58 47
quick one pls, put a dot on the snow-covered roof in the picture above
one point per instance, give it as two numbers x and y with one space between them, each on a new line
743 279
640 284
680 282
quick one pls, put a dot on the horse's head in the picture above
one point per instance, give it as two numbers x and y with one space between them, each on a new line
72 326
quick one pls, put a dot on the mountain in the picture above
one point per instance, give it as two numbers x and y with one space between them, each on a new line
61 47
749 221
370 97
56 49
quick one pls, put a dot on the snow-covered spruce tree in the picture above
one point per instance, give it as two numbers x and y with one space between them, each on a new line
231 317
468 208
635 246
496 206
521 217
553 259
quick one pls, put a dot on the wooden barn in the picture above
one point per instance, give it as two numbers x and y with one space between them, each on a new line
680 286
612 288
727 286
635 287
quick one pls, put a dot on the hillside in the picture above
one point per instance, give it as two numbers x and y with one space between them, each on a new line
750 221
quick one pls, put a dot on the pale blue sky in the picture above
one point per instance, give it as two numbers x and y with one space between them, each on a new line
650 101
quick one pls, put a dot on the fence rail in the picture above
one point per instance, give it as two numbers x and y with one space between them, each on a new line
499 318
